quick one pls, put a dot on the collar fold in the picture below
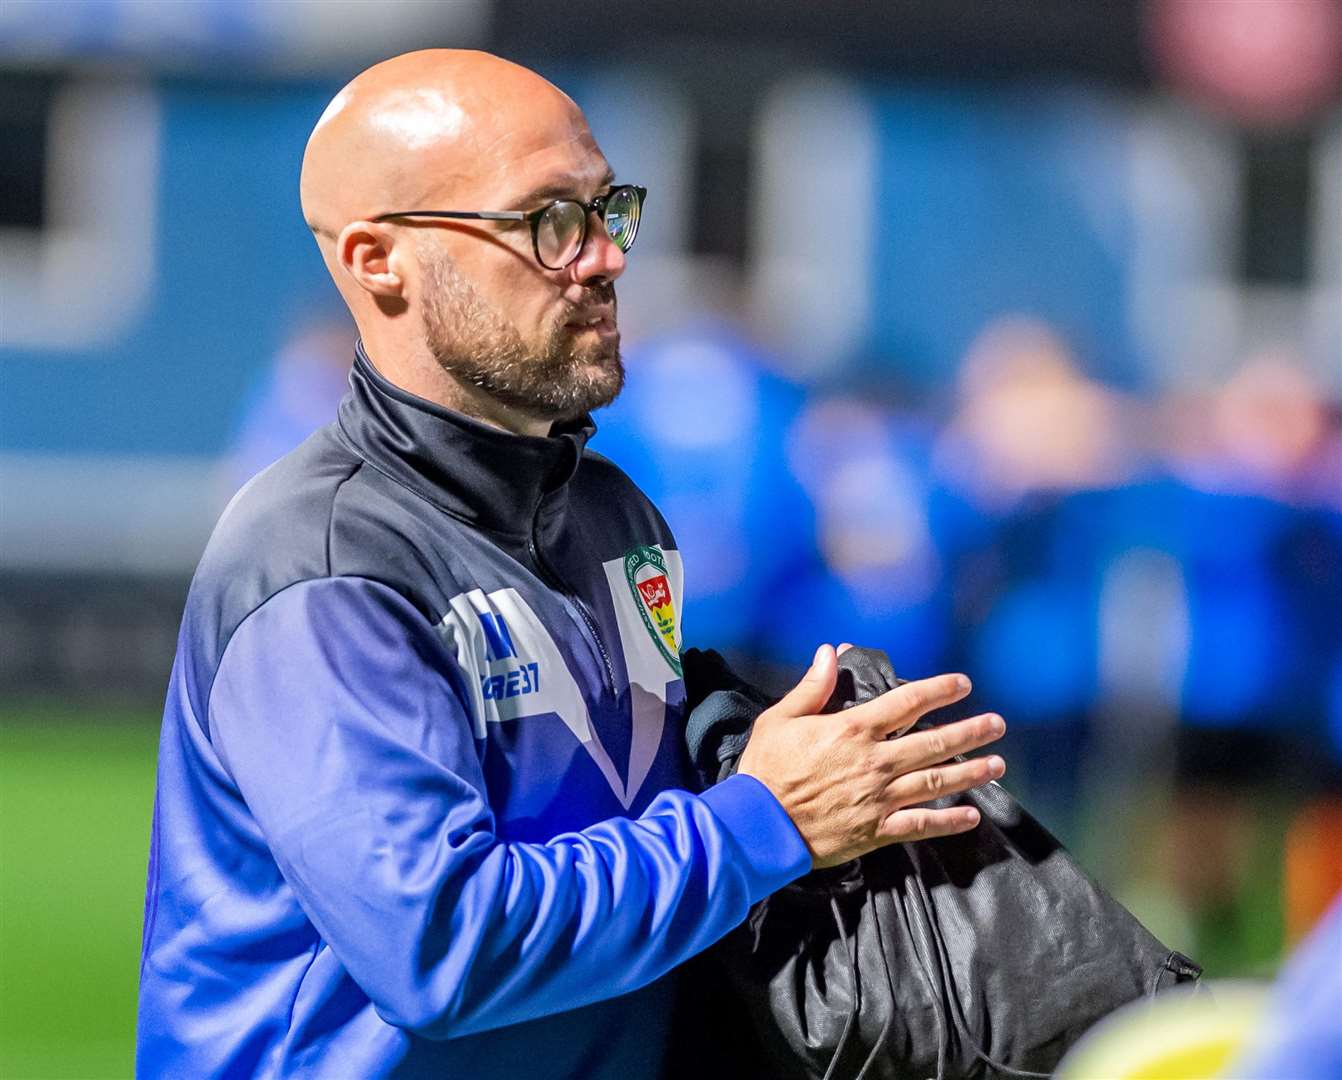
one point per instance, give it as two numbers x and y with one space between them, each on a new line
489 478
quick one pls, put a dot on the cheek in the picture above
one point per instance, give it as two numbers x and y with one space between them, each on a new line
539 310
530 302
501 277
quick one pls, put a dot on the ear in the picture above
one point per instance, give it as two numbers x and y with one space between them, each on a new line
369 254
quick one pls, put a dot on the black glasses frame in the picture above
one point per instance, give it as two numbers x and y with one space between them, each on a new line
533 218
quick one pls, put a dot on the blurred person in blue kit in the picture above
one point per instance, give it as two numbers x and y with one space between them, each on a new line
420 805
298 393
716 464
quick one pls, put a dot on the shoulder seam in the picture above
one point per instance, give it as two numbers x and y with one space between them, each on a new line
223 651
330 519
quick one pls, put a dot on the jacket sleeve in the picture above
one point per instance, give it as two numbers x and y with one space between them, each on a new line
337 711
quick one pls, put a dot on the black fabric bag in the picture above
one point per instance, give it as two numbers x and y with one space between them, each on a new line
986 954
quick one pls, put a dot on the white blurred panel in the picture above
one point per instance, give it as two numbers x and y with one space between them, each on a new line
1144 633
86 276
1184 190
814 219
1326 302
106 513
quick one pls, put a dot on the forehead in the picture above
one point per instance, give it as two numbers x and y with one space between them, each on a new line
545 149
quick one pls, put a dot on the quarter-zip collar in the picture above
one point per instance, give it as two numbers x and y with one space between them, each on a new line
489 478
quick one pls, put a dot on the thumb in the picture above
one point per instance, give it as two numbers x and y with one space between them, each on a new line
810 695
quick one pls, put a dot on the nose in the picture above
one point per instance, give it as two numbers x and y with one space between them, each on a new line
600 258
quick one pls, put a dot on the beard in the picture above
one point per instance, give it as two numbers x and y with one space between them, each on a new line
559 377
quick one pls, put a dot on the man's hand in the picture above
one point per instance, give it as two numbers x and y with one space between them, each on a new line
850 788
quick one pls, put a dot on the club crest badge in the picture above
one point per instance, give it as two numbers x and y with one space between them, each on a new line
645 569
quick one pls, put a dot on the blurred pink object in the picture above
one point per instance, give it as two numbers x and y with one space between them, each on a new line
1264 61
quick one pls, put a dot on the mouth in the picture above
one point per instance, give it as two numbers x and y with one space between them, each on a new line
600 321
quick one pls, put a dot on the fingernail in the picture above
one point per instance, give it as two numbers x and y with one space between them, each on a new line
971 817
996 725
961 682
819 653
996 766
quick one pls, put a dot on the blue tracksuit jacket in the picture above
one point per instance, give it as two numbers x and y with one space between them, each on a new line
419 807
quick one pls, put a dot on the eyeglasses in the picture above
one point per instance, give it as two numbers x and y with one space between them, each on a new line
559 229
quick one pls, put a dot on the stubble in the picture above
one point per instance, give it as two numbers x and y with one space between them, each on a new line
558 377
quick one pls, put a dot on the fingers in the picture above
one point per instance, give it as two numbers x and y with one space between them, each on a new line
924 748
903 706
810 695
921 823
844 647
926 784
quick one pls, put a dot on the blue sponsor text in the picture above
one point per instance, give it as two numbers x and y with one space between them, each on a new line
525 679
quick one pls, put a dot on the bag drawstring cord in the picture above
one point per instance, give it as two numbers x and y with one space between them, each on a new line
855 995
869 900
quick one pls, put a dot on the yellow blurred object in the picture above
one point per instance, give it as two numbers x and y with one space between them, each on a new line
1182 1035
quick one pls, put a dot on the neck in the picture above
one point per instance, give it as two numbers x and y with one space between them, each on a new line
416 371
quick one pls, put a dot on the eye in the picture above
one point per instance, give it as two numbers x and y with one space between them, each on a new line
560 232
621 216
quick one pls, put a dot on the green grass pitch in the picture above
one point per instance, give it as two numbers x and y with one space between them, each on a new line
76 795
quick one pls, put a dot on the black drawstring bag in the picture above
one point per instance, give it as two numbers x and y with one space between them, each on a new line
986 954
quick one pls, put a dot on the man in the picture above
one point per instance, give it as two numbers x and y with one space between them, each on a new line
419 803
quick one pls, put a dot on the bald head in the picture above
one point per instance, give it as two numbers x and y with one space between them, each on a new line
426 127
461 310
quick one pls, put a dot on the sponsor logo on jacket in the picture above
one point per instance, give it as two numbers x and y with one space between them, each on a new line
515 679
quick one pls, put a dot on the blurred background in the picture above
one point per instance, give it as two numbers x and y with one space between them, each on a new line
1005 337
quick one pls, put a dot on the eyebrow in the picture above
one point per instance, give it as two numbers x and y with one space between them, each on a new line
560 189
